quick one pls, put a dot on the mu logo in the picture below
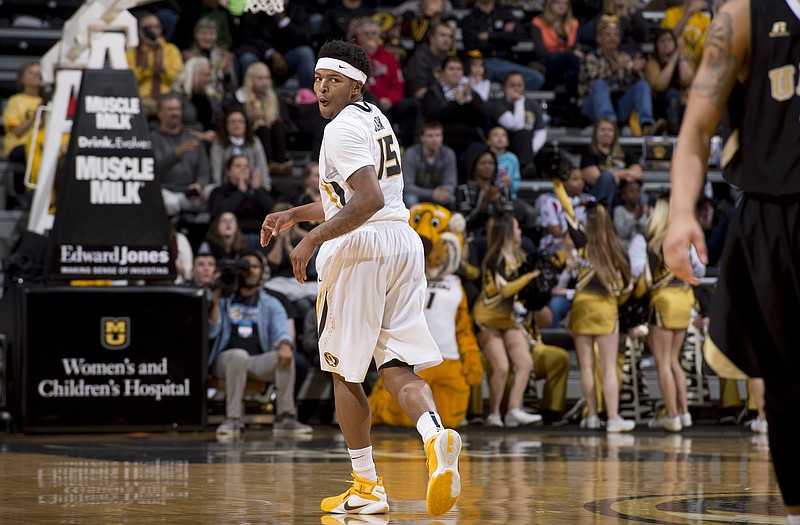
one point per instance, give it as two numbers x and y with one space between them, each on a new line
115 332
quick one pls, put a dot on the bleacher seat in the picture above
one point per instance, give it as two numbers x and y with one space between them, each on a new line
52 12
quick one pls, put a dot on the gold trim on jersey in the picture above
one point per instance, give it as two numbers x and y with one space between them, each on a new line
331 195
729 149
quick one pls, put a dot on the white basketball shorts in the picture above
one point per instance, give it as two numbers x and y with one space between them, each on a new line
370 302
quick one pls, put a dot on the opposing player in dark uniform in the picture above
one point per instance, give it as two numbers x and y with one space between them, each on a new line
750 61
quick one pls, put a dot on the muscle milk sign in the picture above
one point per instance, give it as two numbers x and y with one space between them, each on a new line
110 221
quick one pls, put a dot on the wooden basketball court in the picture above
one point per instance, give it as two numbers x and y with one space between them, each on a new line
544 475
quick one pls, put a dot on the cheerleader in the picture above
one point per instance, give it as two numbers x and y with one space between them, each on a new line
671 302
604 279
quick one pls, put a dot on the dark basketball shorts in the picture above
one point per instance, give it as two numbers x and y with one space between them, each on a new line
755 311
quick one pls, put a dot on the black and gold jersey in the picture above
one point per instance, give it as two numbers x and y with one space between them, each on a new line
762 153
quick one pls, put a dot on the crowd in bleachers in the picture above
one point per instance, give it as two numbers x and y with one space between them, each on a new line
230 99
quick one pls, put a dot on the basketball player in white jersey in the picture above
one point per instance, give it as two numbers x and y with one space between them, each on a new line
371 283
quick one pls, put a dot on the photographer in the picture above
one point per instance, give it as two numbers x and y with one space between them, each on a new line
155 62
243 195
251 337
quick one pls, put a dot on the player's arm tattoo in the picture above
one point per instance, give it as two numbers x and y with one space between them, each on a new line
720 66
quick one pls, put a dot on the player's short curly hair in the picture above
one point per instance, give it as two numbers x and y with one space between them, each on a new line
348 52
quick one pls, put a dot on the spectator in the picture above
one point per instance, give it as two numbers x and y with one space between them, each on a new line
500 336
282 41
714 222
155 63
555 242
419 17
252 340
689 22
386 86
482 197
451 102
224 239
605 164
282 280
311 192
671 301
217 10
508 176
244 196
494 31
610 82
223 62
310 185
553 216
181 161
631 214
425 65
603 279
341 22
634 28
18 119
476 72
235 137
430 173
555 33
202 107
669 72
522 119
204 273
267 115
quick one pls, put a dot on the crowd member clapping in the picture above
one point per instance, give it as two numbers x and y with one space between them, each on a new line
670 72
235 137
451 102
243 195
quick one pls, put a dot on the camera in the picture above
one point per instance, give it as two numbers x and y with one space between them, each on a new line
230 271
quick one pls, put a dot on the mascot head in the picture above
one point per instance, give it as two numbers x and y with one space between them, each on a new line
442 234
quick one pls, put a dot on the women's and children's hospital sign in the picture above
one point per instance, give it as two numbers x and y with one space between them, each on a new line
125 357
110 221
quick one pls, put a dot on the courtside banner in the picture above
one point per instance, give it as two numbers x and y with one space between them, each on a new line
113 359
110 221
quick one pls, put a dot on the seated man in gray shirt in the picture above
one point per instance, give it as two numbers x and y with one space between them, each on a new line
181 159
429 169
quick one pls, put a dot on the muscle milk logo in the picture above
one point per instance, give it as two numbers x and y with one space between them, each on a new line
115 332
112 179
110 220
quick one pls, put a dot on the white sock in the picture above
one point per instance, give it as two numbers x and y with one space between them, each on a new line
429 424
363 464
793 519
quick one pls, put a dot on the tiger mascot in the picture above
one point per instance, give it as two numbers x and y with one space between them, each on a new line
449 321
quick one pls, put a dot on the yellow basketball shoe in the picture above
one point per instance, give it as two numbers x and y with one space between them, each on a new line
364 497
444 483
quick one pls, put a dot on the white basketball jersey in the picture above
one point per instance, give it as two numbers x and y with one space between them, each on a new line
441 306
360 135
